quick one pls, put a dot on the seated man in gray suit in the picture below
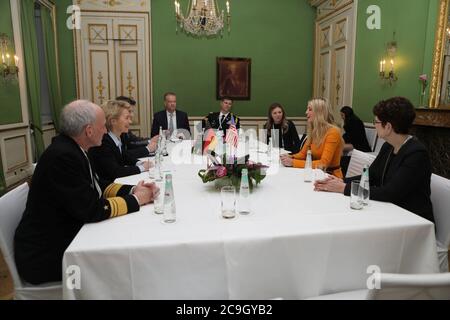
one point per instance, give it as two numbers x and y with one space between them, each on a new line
174 122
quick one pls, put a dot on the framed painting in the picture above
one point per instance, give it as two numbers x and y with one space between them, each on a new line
233 78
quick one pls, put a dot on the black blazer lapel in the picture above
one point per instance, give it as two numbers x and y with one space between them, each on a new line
109 141
163 120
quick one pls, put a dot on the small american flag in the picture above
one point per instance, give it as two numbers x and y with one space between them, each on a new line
232 134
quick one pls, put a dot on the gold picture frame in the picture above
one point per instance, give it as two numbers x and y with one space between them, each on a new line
438 57
233 78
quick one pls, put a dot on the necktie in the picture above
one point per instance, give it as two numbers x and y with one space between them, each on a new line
170 123
94 184
222 117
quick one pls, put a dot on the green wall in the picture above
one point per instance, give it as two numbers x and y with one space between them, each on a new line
414 23
277 35
10 110
66 53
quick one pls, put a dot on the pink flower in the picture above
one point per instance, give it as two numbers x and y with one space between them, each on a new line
423 78
221 172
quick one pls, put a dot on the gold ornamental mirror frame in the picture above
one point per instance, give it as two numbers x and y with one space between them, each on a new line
439 51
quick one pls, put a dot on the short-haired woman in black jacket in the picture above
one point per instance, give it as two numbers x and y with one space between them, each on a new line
401 172
288 138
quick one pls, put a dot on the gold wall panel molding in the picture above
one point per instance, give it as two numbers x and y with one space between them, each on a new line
115 5
439 51
329 7
98 34
101 86
16 154
128 35
127 85
341 31
325 38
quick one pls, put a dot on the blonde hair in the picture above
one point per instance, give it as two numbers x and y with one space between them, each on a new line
323 120
113 110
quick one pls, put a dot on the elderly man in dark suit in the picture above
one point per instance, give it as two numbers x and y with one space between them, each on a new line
66 193
171 120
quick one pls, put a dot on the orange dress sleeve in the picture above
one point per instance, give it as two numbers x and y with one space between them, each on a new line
302 153
325 155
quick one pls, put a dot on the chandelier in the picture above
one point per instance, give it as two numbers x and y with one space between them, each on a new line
203 18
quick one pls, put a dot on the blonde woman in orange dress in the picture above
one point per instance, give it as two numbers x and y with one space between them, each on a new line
324 140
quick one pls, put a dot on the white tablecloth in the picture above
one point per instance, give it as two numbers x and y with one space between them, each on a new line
297 243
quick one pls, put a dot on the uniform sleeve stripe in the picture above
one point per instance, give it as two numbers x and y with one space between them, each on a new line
122 206
118 207
112 190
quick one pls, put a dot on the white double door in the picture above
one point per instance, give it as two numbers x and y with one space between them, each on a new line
113 54
334 60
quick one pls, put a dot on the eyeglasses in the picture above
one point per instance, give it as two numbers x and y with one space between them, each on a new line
375 122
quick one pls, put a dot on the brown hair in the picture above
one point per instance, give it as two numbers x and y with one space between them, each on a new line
270 122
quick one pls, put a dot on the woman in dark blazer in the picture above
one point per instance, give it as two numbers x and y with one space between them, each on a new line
111 160
401 172
284 129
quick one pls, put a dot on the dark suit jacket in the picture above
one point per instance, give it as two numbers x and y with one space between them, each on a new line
212 121
136 147
110 163
403 179
61 199
160 120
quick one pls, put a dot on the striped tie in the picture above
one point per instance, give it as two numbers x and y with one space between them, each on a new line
170 123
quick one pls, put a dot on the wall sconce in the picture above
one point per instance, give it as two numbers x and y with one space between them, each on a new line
389 75
8 68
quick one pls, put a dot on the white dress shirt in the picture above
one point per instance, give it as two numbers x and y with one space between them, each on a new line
174 119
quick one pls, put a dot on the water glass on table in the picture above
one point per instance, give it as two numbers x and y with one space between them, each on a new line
228 202
356 196
159 201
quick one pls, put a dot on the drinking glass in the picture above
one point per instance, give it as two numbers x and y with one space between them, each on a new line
356 196
159 201
228 202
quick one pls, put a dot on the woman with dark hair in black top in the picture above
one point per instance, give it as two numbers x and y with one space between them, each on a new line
284 129
401 172
355 134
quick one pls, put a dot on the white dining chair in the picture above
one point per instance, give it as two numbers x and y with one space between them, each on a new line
379 143
357 162
12 207
400 287
440 198
371 134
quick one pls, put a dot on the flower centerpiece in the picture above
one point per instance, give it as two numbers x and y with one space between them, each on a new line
424 83
228 172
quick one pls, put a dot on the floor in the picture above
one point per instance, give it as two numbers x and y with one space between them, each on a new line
6 285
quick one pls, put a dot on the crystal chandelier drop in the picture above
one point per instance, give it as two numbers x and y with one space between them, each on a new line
203 18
